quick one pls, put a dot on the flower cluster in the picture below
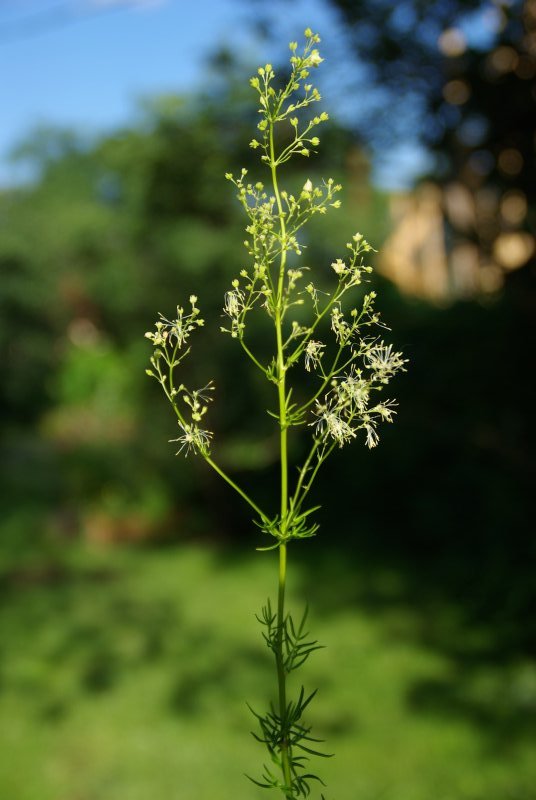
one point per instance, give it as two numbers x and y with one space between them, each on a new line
197 400
347 407
340 420
277 105
169 339
194 438
383 362
176 330
346 330
349 274
259 206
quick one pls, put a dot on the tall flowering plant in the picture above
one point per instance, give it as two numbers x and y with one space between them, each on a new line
349 368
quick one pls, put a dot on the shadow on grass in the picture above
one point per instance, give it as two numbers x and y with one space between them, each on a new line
70 630
73 631
489 677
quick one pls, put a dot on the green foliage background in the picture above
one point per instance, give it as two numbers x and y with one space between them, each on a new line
124 670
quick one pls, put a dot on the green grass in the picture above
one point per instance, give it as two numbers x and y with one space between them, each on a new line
125 676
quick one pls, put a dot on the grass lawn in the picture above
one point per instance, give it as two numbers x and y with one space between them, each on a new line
125 675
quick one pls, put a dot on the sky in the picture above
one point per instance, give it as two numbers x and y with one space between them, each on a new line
84 64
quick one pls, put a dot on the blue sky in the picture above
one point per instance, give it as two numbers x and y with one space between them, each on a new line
84 63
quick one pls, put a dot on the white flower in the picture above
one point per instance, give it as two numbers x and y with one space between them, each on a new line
233 303
386 410
193 439
339 267
356 390
372 436
330 424
339 326
234 306
313 354
158 338
315 59
383 362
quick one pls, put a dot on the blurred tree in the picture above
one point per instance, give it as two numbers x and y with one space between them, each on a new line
448 499
458 78
109 233
104 236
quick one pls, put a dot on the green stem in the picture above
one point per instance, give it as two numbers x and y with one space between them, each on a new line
281 675
281 390
235 486
297 499
252 357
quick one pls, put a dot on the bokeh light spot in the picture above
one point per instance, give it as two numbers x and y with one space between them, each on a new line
452 42
512 250
456 92
514 207
503 59
510 161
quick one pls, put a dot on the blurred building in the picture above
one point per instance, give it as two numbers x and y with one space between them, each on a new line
448 242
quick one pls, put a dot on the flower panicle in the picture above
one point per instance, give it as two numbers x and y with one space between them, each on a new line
178 330
347 363
170 340
347 406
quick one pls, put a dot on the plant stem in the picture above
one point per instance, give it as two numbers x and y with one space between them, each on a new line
281 390
281 677
231 483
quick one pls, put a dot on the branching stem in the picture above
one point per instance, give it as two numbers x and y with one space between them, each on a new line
347 376
281 389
